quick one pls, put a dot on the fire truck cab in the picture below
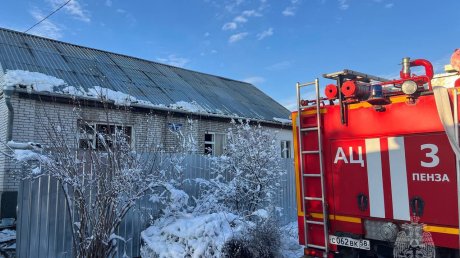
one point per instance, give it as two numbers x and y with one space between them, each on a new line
377 163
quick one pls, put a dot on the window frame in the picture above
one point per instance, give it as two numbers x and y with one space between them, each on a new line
91 138
212 151
286 152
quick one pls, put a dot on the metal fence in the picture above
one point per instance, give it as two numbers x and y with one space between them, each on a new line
43 227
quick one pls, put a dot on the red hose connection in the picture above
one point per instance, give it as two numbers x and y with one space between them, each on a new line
419 79
426 64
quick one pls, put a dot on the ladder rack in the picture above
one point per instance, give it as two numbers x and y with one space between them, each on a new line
305 199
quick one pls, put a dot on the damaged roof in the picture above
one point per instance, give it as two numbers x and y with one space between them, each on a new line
145 80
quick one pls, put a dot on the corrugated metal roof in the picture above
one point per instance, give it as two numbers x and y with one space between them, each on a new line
150 81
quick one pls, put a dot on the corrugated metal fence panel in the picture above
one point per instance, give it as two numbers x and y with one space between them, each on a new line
43 220
286 198
43 216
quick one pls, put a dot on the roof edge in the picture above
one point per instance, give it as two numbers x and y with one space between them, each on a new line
165 109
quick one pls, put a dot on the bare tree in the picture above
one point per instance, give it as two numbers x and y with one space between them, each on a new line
101 173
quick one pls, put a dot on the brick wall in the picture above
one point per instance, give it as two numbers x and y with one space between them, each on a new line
33 118
3 136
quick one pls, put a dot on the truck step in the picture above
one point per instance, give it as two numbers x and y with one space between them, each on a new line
310 152
315 222
317 246
312 175
308 129
313 198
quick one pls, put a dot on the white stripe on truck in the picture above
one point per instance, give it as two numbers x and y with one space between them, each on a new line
374 178
398 173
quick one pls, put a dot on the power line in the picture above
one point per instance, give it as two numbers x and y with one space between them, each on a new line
59 8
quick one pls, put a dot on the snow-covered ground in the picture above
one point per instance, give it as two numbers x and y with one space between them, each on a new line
7 235
205 236
290 247
7 243
200 236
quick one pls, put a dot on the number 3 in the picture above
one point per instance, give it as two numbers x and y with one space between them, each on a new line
432 155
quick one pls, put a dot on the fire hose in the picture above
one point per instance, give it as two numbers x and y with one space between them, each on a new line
441 97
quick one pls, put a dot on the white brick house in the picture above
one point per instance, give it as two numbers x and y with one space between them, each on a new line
166 95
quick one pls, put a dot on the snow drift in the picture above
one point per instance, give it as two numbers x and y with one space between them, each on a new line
191 236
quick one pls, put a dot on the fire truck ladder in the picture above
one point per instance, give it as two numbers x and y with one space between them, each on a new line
319 152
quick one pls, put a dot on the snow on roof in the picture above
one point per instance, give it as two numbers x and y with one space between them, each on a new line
119 98
192 106
40 82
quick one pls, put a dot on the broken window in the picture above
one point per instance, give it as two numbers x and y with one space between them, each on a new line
96 135
214 143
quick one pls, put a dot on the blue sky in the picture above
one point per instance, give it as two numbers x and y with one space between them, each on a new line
270 43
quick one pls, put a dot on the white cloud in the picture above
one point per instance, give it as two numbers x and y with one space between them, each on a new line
279 66
254 80
73 8
343 4
390 5
233 4
229 26
251 13
243 18
291 9
265 33
108 3
174 60
240 19
237 37
46 28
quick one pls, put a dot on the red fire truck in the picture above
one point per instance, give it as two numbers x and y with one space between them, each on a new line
377 163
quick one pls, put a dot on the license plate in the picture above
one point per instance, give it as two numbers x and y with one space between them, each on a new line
350 242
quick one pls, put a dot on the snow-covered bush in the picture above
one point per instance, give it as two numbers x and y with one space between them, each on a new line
264 239
290 241
247 176
234 214
236 248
